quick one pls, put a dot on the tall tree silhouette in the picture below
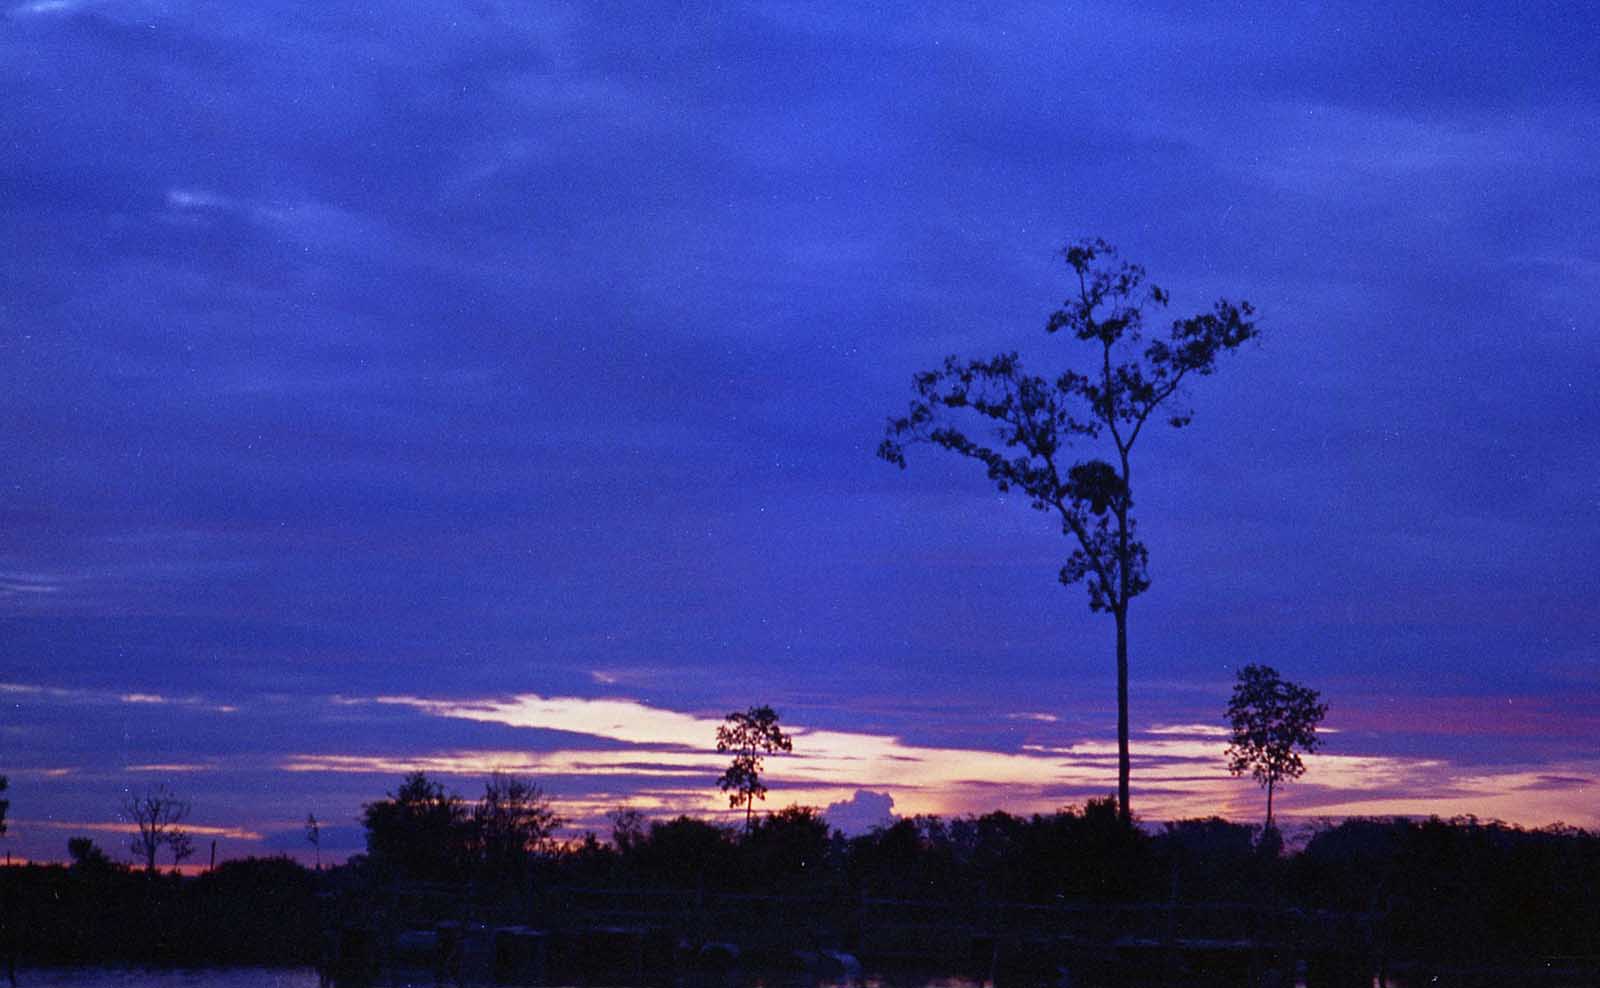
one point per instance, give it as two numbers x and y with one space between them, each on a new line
749 735
1028 423
1271 718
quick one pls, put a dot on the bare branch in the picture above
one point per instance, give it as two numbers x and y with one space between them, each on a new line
156 814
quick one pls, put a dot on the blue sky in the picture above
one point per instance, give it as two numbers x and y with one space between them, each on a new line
365 367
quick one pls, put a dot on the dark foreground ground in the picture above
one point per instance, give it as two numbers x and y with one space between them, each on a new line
996 898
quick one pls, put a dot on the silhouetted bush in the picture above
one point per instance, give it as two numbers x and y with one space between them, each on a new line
255 911
419 833
788 851
683 853
1087 854
1213 860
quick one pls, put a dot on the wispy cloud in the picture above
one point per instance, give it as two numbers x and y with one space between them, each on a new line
198 199
165 767
1188 730
45 7
60 695
1179 767
21 584
1036 717
123 827
42 772
619 720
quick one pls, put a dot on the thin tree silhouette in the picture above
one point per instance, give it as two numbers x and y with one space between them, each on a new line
749 735
1031 421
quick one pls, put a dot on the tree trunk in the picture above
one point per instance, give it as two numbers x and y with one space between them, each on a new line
1124 593
1124 763
749 808
1269 805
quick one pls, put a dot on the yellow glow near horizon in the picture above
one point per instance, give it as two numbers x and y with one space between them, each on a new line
1180 767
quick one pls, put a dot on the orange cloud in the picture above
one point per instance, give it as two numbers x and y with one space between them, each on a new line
122 827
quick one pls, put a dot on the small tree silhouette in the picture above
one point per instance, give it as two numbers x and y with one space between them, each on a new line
749 735
513 821
182 846
86 855
157 815
314 836
1271 718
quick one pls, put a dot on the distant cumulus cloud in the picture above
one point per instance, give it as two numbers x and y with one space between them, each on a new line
861 812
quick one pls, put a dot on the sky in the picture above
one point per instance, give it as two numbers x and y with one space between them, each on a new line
475 386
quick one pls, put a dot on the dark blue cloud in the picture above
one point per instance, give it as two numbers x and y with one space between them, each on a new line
475 350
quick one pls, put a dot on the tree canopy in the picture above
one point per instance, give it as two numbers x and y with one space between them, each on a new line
1020 426
423 833
749 735
418 832
511 823
1272 720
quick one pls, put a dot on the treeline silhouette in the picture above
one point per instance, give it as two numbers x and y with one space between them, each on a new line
254 911
1464 889
1461 889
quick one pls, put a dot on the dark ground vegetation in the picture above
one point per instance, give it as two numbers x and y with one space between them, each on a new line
1461 888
